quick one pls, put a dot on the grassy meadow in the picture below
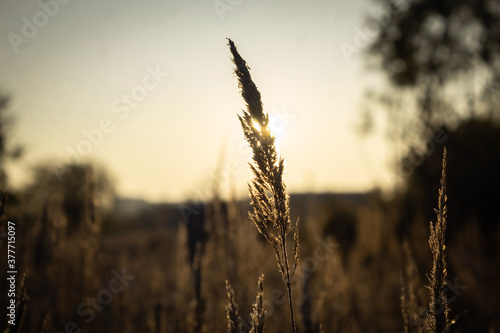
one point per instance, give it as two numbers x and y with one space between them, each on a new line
423 259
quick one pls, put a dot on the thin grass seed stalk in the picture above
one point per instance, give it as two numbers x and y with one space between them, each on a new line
268 196
438 316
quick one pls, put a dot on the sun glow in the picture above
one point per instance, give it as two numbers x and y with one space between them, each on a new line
276 127
256 125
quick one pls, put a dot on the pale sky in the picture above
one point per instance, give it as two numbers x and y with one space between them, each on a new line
88 65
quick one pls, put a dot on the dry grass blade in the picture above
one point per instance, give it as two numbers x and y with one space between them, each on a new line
270 202
438 316
233 318
258 313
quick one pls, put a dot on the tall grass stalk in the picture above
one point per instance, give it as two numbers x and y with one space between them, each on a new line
258 313
437 318
270 202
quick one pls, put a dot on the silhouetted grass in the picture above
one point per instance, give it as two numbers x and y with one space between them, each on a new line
270 202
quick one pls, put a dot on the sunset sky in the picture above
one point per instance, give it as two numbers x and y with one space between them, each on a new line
155 79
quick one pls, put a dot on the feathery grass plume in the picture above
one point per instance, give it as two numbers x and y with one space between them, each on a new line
237 325
270 202
437 318
233 318
258 314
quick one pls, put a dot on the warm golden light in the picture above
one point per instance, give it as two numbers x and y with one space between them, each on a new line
256 125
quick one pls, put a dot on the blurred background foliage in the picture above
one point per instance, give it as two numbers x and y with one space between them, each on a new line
441 60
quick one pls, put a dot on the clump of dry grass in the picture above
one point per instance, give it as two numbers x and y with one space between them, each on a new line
270 202
235 324
438 316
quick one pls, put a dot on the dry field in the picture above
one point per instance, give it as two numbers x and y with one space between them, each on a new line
299 263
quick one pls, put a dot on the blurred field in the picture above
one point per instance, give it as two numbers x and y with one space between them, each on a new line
354 251
88 260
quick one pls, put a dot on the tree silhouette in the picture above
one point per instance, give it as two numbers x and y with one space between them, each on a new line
445 56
